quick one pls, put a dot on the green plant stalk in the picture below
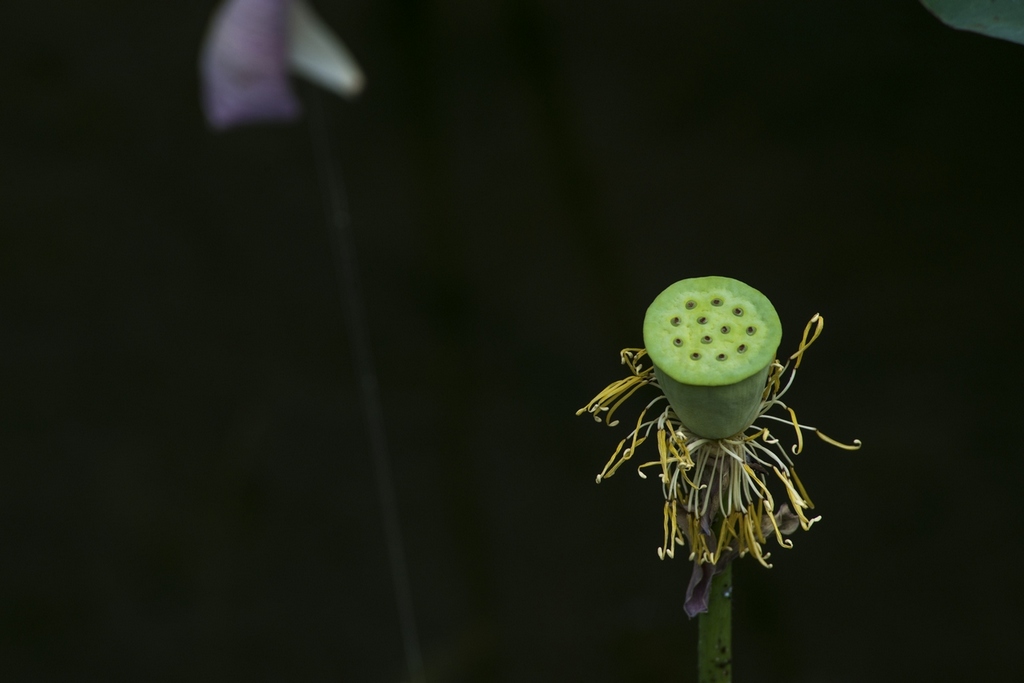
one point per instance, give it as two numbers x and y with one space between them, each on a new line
714 632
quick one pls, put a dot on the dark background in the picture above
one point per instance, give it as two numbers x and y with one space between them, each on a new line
186 491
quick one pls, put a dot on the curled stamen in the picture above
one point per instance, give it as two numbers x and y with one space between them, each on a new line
855 446
819 324
799 435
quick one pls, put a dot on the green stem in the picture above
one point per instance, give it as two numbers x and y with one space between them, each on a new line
714 632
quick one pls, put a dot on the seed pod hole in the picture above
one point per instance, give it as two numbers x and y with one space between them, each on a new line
725 329
694 356
720 356
737 311
675 321
706 339
677 341
742 348
716 301
691 304
751 330
702 320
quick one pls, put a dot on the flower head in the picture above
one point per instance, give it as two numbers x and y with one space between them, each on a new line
712 342
251 47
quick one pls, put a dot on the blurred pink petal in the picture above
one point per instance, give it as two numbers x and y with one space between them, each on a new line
244 64
249 49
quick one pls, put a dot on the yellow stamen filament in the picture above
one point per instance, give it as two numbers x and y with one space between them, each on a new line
746 523
769 502
760 515
855 446
784 542
819 324
799 504
671 529
632 389
799 435
756 435
800 487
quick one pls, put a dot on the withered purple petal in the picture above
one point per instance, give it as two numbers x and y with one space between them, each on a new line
698 592
699 589
244 64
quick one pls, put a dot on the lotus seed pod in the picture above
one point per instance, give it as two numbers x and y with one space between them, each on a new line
712 341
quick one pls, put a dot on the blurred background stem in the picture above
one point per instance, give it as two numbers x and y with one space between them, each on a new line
336 208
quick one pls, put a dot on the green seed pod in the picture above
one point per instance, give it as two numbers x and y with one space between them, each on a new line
712 341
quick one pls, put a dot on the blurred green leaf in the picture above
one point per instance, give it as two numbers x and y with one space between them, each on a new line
996 18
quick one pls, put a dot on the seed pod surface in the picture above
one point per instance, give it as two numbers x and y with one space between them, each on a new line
712 332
